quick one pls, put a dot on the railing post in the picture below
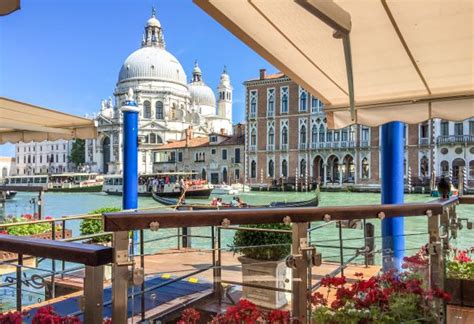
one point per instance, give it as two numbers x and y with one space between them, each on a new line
300 272
369 232
19 282
120 278
94 294
436 278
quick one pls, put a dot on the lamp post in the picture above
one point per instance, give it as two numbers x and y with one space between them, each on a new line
130 152
393 243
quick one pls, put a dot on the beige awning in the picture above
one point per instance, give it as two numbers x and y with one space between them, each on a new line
8 6
411 59
22 122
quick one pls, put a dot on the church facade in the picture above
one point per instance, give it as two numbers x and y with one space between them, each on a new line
169 105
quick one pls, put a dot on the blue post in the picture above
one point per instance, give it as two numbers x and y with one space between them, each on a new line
393 242
130 154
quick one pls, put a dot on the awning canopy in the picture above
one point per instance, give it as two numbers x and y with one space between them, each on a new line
411 60
8 6
22 122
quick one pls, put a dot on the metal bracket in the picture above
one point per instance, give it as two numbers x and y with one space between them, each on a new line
434 248
137 276
317 259
121 258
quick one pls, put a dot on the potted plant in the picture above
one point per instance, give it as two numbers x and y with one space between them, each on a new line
460 276
91 226
263 264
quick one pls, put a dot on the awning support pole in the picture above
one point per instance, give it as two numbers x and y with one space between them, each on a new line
393 153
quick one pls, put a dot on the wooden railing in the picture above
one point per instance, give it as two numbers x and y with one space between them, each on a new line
94 257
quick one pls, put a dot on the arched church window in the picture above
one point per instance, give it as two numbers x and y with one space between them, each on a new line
159 110
147 109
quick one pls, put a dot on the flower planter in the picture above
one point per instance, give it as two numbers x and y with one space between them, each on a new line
272 274
461 290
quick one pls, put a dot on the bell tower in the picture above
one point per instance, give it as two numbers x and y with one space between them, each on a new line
153 35
224 90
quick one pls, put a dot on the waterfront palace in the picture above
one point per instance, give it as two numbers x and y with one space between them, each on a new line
184 126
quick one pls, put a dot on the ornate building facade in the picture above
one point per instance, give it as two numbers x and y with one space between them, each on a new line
169 105
288 139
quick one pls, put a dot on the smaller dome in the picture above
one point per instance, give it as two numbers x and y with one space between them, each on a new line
153 22
201 94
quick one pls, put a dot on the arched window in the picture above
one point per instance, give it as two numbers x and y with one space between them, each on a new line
284 135
471 169
146 109
365 168
424 167
224 175
253 169
253 137
152 138
271 136
444 166
303 101
314 134
253 106
302 167
284 168
203 173
322 138
159 110
457 165
284 102
303 134
271 168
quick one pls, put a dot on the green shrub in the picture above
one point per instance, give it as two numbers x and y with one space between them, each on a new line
95 225
253 238
29 229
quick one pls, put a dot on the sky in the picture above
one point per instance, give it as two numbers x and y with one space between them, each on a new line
66 55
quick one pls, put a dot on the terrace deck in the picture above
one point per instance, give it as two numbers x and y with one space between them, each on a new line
174 263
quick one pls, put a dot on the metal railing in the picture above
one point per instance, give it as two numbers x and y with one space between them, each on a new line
440 219
455 139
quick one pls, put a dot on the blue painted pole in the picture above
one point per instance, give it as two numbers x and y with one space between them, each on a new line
393 242
130 154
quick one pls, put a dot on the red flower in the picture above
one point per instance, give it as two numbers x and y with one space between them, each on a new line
277 316
189 316
462 257
333 281
3 232
318 299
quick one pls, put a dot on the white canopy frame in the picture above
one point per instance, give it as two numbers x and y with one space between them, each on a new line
408 61
23 122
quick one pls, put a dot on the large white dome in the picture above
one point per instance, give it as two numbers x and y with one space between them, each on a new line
152 63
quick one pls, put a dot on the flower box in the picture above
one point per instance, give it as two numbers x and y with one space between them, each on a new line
461 290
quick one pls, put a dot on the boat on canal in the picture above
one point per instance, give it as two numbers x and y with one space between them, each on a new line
61 182
313 202
163 184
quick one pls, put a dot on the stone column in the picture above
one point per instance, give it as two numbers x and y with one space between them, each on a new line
325 173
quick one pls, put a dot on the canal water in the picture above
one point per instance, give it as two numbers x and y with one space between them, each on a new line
68 204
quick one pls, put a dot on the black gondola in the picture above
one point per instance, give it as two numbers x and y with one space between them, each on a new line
314 202
10 194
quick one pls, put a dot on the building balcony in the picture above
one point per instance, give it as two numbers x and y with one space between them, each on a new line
364 143
164 162
321 145
314 146
455 139
302 146
270 113
284 147
234 160
424 141
253 148
252 115
270 147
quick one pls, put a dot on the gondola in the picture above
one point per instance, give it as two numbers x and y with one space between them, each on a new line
10 194
313 202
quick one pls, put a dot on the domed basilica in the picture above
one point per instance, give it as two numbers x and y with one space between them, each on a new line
169 105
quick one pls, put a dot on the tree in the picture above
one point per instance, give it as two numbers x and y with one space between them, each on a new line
78 152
